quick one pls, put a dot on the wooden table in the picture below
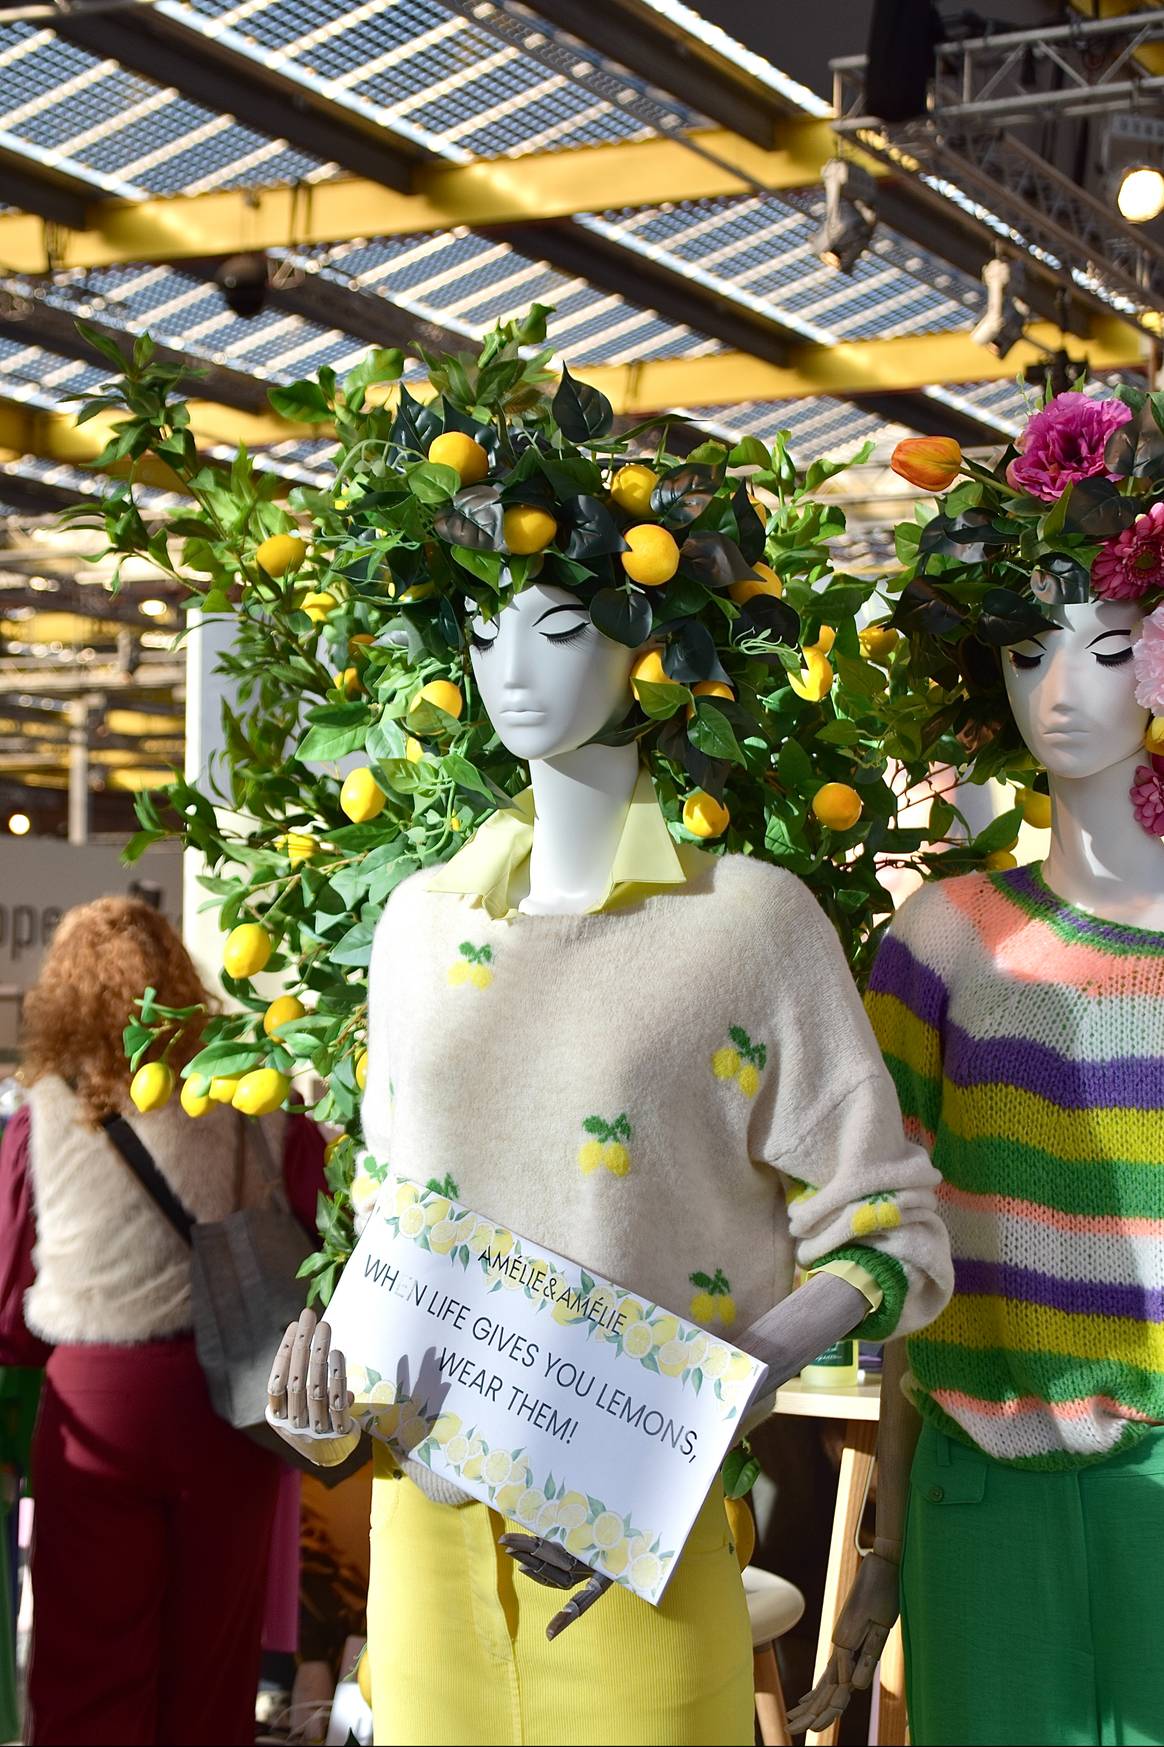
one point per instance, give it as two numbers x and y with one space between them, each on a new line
859 1406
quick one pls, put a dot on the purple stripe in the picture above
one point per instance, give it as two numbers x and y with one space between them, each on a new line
1027 884
1123 1083
1075 1297
897 972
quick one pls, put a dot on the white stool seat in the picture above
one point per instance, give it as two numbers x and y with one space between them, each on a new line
774 1605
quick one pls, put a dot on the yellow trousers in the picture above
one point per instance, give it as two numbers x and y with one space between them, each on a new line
457 1644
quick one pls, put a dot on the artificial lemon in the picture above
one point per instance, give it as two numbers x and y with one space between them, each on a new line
299 845
765 581
151 1086
838 806
631 488
878 642
742 1529
317 606
348 682
527 529
364 1676
704 816
456 449
329 1152
825 638
362 1069
652 557
281 553
413 750
261 1092
223 1088
442 694
361 797
1154 737
999 859
816 681
282 1011
649 667
709 688
247 951
195 1095
361 639
1035 808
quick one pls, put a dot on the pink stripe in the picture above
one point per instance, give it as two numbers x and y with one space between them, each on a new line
1078 1224
1025 947
1083 1407
917 1132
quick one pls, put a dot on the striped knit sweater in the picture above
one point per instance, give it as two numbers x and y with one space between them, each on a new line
1026 1040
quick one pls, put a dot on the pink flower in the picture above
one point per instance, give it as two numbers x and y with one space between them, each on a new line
1065 442
1147 796
1148 663
1128 566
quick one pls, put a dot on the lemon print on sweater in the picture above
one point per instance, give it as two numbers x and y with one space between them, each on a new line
879 1213
472 968
607 1148
742 1061
713 1298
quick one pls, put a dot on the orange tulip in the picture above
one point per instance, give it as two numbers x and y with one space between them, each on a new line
931 463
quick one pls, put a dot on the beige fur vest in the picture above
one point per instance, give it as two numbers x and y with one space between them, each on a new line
109 1268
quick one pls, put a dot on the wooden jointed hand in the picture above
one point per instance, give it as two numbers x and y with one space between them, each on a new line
308 1401
859 1637
547 1562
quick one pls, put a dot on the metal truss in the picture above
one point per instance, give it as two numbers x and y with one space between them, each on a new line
986 86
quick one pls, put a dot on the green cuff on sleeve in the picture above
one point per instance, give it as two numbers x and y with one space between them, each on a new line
889 1275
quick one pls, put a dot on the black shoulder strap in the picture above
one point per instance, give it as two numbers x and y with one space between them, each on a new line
144 1169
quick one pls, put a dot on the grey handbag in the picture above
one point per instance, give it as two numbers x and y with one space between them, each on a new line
244 1288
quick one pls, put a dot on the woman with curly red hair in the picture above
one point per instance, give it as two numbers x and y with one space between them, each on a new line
153 1516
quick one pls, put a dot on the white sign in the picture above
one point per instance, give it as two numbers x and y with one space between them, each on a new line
584 1413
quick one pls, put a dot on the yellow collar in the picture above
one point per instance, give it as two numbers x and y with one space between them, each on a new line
489 866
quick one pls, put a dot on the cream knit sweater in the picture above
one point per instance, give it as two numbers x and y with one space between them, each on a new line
683 1093
109 1268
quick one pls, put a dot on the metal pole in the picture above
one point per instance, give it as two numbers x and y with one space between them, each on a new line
79 807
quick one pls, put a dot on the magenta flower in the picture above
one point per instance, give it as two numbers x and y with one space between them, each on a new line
1128 566
1147 796
1065 442
1148 663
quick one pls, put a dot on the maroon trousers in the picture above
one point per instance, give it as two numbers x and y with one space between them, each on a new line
149 1560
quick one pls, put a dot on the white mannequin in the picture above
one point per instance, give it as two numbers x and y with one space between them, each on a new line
549 682
1078 714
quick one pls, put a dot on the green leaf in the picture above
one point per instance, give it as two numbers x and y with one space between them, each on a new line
623 615
581 411
749 452
1000 833
712 733
661 701
794 767
302 402
381 364
225 1059
740 1472
431 482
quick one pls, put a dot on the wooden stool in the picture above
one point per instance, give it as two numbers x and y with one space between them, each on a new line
774 1607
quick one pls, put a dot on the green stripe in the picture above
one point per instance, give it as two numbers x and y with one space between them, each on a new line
889 1275
993 1165
1002 1373
1074 928
1051 1462
919 1097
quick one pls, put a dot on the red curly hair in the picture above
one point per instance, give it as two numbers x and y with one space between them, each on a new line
102 959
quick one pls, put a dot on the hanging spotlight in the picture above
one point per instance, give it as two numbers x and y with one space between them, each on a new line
19 824
1140 195
242 279
850 215
1133 155
1007 314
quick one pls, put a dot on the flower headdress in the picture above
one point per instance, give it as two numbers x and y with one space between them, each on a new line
1074 511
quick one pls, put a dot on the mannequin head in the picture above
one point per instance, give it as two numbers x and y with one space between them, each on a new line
548 679
1072 690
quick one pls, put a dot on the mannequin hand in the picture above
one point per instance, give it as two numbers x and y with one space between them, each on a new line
866 1621
308 1402
547 1562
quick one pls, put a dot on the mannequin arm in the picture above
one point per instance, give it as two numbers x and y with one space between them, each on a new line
824 1310
872 1606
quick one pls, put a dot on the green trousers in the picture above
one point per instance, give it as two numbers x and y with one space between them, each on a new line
1033 1603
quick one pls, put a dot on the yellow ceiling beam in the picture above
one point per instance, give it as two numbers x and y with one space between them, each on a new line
846 368
488 191
1151 55
56 436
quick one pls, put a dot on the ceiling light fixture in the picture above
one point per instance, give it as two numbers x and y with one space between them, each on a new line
19 824
1004 322
153 609
1133 156
1140 195
850 215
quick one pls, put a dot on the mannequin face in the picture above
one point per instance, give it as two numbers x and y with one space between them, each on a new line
548 680
1072 690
